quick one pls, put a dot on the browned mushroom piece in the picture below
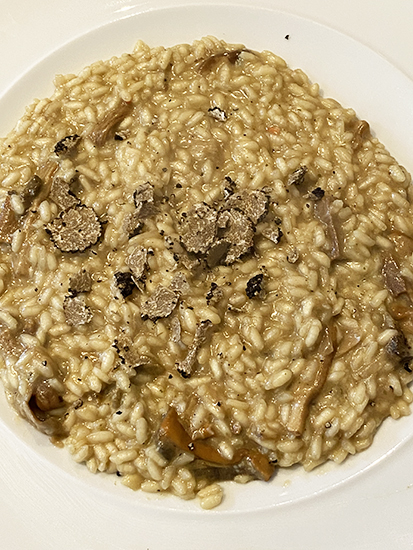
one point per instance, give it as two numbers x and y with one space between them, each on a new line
322 211
8 221
231 56
46 398
30 191
35 399
172 432
393 279
398 346
305 391
360 134
101 131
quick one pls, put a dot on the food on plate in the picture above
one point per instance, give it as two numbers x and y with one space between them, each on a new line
205 270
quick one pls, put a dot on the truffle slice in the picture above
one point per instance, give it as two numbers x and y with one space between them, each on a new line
217 253
144 202
239 232
136 262
254 205
161 304
66 145
186 366
80 282
75 229
145 210
127 354
133 224
143 193
297 177
199 228
218 114
76 311
273 235
61 194
180 284
176 330
254 286
214 295
124 283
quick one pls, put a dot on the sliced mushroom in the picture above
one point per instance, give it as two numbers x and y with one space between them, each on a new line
361 132
37 397
393 279
30 191
8 221
101 131
172 432
232 56
305 391
322 211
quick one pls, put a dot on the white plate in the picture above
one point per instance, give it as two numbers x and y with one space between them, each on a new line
69 494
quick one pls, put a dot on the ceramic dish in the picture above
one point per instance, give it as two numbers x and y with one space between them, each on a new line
347 71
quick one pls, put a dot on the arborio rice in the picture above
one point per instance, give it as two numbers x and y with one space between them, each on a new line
205 270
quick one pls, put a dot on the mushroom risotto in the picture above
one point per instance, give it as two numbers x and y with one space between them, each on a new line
205 270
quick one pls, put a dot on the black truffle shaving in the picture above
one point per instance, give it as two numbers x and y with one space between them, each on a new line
214 294
80 282
160 304
218 114
76 311
124 282
229 188
317 193
61 194
75 229
254 286
297 177
66 145
273 234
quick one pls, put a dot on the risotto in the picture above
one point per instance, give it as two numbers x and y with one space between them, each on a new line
205 270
